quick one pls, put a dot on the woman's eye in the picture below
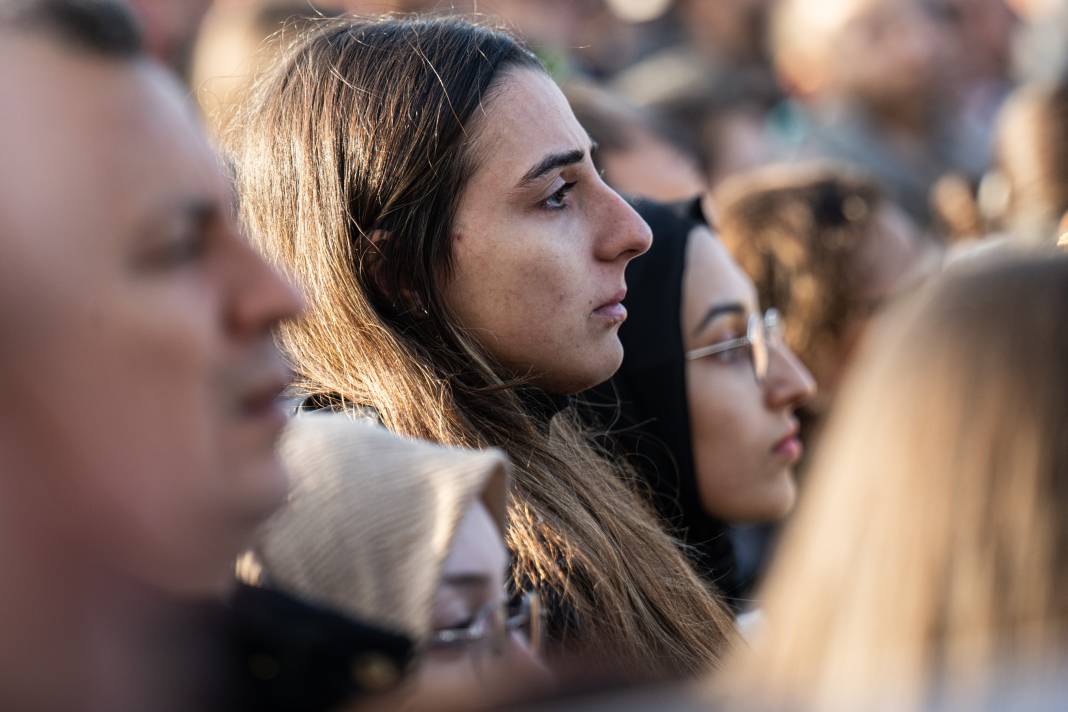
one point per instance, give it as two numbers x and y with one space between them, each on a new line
732 355
557 201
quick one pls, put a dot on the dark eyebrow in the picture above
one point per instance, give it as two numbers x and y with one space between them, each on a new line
553 160
719 310
467 581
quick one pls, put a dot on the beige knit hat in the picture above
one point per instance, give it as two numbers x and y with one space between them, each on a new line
370 518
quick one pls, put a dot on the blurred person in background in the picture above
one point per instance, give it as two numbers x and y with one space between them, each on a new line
638 154
1040 53
931 542
827 249
706 394
463 303
237 41
138 450
983 32
871 86
170 29
553 29
1032 164
714 82
410 536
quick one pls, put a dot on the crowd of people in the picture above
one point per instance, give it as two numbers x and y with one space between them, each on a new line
591 354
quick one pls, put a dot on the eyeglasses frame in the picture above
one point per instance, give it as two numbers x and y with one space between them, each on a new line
759 330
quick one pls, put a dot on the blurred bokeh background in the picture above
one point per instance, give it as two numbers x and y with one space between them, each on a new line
681 94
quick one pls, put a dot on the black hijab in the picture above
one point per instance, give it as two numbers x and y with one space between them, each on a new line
653 426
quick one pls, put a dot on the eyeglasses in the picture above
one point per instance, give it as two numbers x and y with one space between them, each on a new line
759 331
491 628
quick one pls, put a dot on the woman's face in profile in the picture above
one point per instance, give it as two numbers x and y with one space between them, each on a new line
540 242
743 431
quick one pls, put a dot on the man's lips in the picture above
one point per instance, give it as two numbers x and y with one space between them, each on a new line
261 401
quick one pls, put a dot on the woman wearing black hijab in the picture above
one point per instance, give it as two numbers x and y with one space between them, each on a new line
706 394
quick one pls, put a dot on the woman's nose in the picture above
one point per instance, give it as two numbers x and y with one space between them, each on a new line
789 384
622 233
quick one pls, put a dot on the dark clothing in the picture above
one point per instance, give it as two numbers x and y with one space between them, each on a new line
653 426
287 654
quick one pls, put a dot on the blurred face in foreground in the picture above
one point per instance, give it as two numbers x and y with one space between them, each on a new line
136 362
744 433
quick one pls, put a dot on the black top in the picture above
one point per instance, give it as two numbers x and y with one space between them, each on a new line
284 653
653 426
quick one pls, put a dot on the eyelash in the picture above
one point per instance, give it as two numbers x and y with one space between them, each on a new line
558 198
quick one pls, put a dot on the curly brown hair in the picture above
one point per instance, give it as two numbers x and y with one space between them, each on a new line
796 232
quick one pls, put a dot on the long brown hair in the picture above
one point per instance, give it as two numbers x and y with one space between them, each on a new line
931 543
350 164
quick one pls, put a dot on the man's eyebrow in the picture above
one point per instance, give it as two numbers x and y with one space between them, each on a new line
194 210
467 580
551 161
719 310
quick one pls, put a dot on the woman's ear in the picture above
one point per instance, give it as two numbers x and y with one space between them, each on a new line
393 287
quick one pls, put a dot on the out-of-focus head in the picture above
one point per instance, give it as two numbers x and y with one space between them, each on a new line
236 43
932 539
1032 157
170 29
825 248
741 399
878 51
735 30
136 320
637 156
401 534
471 225
983 33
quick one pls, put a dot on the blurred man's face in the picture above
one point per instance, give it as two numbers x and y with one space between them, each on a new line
136 358
890 51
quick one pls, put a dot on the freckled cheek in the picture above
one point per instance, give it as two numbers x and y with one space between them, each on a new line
550 285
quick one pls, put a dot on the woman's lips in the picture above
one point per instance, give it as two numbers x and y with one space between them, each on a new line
790 447
613 312
613 309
